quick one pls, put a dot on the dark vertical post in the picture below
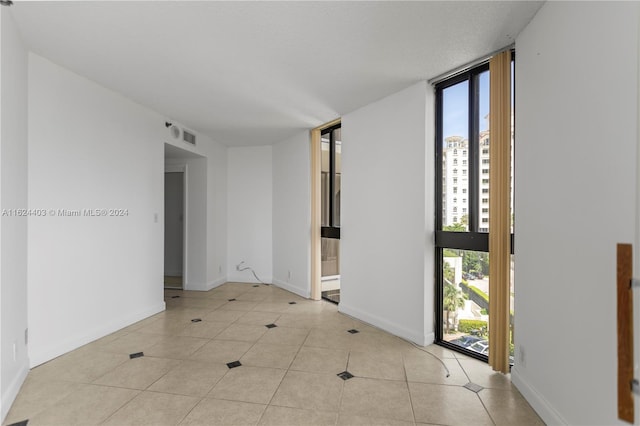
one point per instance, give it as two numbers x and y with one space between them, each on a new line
625 332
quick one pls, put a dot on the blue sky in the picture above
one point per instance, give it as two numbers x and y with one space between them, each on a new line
455 99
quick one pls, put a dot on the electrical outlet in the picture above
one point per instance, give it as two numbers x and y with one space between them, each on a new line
219 269
522 360
15 350
289 276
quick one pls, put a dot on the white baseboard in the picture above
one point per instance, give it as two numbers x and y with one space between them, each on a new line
10 394
429 338
538 402
388 326
247 277
216 283
306 293
203 286
73 342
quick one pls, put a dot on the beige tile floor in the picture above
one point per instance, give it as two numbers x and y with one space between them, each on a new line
288 374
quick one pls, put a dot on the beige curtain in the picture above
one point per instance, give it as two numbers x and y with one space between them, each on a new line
500 210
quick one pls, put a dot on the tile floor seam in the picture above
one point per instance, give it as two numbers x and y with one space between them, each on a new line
463 370
293 359
243 354
382 379
115 387
120 408
304 342
485 408
283 377
451 385
189 412
159 378
277 388
340 404
328 322
344 382
406 381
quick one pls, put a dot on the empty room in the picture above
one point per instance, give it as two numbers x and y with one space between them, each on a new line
319 212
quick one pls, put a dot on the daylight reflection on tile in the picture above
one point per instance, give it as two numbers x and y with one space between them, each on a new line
287 374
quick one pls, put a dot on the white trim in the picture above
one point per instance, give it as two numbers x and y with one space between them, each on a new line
466 67
306 293
330 277
74 342
185 224
388 326
216 283
247 277
538 402
200 286
9 396
175 168
429 338
205 286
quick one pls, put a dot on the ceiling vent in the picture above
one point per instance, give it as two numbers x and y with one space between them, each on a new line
177 133
188 137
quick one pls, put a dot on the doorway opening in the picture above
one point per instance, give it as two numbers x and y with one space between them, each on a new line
190 218
174 229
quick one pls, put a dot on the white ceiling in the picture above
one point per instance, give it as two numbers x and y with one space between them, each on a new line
254 73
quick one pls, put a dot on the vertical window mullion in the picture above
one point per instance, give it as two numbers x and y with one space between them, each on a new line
474 136
437 317
332 176
439 160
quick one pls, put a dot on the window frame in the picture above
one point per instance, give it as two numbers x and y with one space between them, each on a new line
476 238
331 230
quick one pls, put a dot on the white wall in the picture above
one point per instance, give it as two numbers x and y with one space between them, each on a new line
196 175
576 144
216 212
387 214
13 195
292 214
249 204
90 148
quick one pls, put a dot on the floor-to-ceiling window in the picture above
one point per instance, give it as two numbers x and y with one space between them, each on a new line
331 170
463 169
